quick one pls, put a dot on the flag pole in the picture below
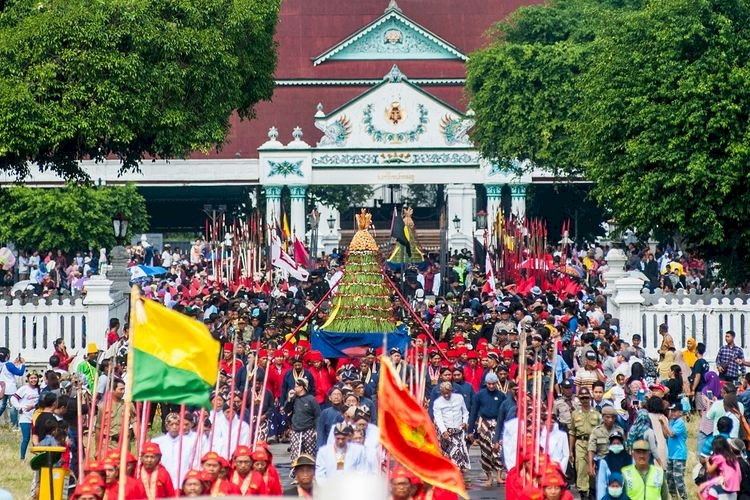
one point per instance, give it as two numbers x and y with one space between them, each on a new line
134 297
79 431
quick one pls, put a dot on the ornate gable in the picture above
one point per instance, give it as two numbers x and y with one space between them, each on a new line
394 114
392 36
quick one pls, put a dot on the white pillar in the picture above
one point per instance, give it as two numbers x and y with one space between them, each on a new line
616 263
518 200
273 205
461 199
629 300
328 238
97 304
298 217
494 205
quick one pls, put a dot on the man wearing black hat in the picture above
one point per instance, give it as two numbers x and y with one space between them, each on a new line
565 404
291 376
303 471
583 422
304 411
341 456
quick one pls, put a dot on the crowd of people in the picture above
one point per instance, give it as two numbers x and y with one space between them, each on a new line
618 418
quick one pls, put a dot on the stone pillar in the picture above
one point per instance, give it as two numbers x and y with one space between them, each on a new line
616 263
494 205
297 218
97 302
629 299
328 238
273 205
118 273
518 200
461 199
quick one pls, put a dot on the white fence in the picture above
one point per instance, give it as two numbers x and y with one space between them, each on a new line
704 317
30 326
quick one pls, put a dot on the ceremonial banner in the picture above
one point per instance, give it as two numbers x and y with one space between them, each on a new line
407 432
174 356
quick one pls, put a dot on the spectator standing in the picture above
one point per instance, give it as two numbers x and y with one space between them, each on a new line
730 360
9 370
676 432
25 401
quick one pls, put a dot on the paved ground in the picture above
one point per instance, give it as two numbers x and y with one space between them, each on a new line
476 492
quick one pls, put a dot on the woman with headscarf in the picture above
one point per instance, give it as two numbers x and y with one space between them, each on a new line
689 354
641 429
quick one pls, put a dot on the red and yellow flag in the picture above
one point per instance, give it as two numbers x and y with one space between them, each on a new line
407 432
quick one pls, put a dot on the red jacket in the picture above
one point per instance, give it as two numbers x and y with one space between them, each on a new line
134 490
224 487
159 481
473 376
324 378
275 378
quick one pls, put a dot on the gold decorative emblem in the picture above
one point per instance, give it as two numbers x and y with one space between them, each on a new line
393 37
394 113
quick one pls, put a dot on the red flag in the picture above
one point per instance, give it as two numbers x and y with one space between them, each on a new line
407 432
489 276
301 256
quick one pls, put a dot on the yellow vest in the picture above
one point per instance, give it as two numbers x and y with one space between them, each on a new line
635 487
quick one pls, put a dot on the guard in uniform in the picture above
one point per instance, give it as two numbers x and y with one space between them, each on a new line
565 404
583 422
599 440
303 469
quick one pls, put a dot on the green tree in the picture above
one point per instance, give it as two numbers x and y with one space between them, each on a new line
340 197
159 78
654 112
71 218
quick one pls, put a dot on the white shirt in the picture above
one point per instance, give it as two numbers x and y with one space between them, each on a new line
450 413
225 435
170 451
559 447
326 462
24 397
510 438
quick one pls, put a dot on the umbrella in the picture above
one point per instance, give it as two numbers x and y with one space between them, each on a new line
7 259
21 286
572 271
141 271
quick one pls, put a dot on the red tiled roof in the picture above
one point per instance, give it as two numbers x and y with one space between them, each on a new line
308 28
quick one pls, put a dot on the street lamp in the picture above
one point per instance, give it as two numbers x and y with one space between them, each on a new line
314 218
331 220
457 223
119 258
120 225
481 220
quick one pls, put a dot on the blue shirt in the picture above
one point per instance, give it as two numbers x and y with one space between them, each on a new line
677 444
486 404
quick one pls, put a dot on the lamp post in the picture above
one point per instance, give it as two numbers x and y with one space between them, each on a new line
457 223
119 257
331 220
481 220
314 218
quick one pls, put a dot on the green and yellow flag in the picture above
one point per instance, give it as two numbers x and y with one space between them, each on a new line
174 357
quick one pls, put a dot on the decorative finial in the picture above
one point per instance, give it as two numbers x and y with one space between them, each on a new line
319 111
394 75
273 134
297 133
364 219
470 113
392 5
319 107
